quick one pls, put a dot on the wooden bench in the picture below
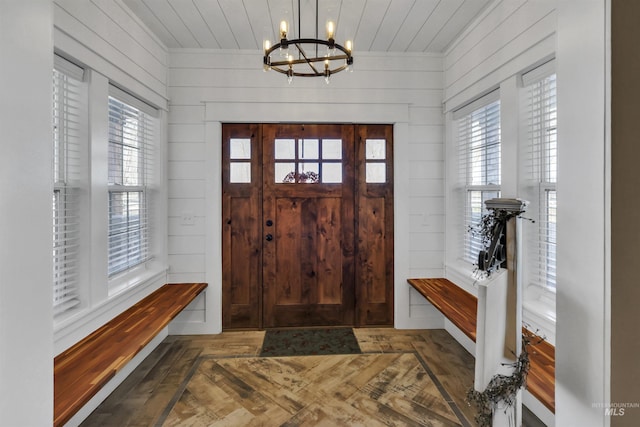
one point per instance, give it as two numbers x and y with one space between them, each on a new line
455 303
83 369
461 308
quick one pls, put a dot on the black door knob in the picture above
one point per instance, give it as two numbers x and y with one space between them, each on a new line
269 237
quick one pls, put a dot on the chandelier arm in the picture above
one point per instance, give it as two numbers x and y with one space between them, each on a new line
306 59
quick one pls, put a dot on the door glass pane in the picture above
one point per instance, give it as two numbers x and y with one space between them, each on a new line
332 173
285 172
240 148
332 149
375 149
285 149
376 173
303 158
240 172
309 149
308 173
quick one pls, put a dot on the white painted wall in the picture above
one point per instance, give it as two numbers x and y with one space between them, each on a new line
207 88
583 299
26 371
508 38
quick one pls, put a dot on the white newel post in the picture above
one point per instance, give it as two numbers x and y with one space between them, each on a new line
499 322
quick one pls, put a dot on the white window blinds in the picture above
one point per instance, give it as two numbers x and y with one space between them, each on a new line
541 173
131 139
478 132
69 130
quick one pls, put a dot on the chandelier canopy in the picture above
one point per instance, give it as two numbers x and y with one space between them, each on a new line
307 57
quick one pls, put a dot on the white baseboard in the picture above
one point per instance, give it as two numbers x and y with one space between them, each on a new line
419 316
459 336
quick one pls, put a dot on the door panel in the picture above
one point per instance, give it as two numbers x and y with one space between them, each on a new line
241 227
374 266
372 231
308 229
308 261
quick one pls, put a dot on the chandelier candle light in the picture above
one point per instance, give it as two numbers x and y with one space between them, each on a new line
301 63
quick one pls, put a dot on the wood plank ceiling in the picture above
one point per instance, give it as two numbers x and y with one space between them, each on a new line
372 25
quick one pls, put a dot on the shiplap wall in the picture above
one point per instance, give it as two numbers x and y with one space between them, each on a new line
509 37
207 88
109 38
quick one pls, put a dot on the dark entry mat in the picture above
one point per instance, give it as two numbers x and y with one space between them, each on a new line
308 342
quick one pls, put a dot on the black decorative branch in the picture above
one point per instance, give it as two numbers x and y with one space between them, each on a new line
503 388
492 232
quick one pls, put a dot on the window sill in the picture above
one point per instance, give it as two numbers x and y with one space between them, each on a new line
121 282
539 312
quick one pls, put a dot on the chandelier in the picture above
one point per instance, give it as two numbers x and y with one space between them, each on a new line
306 57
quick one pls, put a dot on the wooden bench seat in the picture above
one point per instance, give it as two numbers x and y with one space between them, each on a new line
83 369
461 308
455 303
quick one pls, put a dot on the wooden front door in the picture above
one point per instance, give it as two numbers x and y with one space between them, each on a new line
308 217
307 225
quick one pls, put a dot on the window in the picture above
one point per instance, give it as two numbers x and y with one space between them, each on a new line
478 132
131 136
308 160
541 173
240 160
69 130
375 161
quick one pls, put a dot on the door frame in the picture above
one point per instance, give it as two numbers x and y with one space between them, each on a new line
218 112
373 219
